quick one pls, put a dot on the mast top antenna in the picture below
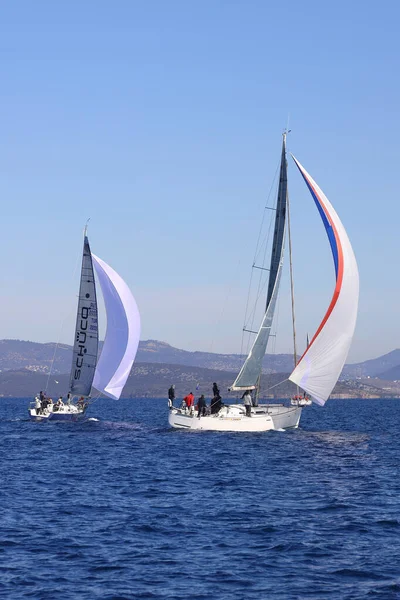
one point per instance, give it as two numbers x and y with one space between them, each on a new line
86 226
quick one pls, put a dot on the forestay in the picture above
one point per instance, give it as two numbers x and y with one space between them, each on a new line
122 335
86 332
251 370
320 366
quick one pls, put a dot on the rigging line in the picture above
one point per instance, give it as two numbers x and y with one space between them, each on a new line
276 384
246 310
61 328
260 293
265 241
265 211
260 290
260 284
291 282
258 249
90 402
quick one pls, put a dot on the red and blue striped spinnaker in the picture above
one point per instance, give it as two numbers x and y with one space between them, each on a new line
321 364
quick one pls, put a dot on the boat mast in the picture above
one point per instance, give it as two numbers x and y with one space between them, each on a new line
84 352
291 279
250 374
279 234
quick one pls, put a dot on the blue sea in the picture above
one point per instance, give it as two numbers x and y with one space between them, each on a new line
125 508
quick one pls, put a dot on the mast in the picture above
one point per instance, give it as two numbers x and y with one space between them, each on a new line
291 284
84 356
250 373
279 229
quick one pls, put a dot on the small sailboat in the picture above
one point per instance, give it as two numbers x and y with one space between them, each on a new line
319 368
107 374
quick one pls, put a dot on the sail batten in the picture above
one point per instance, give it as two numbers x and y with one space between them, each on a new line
122 335
250 372
86 339
321 364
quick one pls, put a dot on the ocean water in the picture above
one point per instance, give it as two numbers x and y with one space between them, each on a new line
123 507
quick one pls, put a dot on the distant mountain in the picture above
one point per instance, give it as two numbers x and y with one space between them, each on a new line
19 354
375 367
35 357
161 352
152 380
392 374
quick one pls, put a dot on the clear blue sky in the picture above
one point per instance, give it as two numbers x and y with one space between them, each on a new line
162 121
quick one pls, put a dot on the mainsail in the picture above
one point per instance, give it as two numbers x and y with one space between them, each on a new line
122 335
321 364
251 370
86 332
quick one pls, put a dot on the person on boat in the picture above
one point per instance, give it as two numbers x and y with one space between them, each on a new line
171 396
44 404
189 401
216 390
81 403
215 405
41 396
201 406
38 405
247 401
69 399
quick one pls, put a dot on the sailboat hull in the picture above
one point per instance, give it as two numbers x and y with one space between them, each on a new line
233 418
66 414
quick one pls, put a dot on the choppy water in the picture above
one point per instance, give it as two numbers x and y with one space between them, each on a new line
125 508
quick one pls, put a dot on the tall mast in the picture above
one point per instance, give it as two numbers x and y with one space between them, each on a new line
84 354
249 375
291 283
279 229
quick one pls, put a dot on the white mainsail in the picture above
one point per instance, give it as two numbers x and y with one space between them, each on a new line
321 364
122 335
250 372
86 332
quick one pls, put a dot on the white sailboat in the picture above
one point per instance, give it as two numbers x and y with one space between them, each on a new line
319 368
109 373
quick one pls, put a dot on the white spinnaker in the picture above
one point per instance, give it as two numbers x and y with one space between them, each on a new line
122 335
320 366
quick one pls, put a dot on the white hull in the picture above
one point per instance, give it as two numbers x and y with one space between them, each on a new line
233 418
66 413
301 402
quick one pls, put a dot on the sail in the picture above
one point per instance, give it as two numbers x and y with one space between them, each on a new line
122 335
86 332
321 364
251 370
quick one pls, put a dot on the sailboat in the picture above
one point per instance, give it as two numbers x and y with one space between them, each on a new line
316 372
107 374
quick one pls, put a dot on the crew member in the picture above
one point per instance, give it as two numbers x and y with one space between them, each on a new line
247 402
171 396
38 405
201 406
189 401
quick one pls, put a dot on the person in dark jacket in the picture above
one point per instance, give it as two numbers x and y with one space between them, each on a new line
216 390
216 405
201 406
171 396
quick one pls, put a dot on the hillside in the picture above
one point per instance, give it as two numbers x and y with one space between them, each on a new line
153 380
375 367
19 354
32 356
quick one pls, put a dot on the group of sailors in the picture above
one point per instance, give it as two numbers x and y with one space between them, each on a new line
45 405
203 409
